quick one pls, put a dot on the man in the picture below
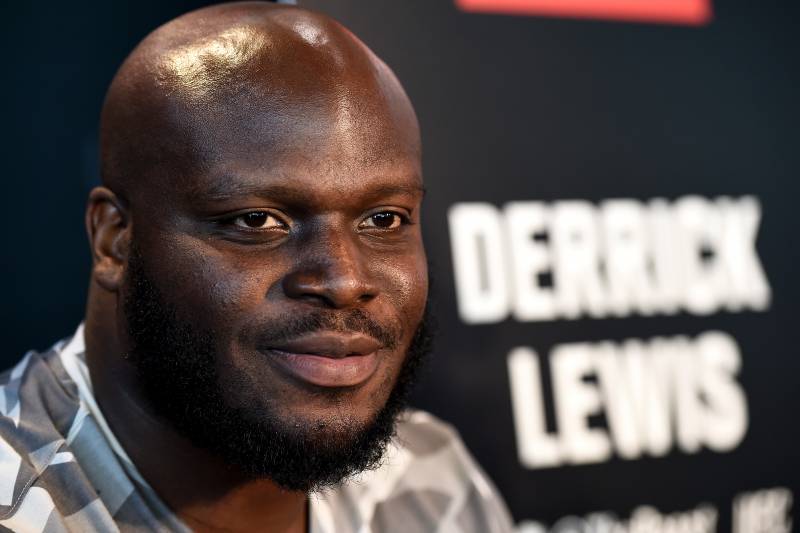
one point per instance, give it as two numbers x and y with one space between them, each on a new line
257 302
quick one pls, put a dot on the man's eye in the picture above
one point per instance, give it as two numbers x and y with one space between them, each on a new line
383 220
257 220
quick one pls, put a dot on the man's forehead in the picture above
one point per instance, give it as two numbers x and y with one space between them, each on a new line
298 185
323 130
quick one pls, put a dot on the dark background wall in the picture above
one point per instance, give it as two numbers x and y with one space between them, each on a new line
512 108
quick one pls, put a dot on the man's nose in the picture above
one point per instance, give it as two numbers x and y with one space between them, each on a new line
331 272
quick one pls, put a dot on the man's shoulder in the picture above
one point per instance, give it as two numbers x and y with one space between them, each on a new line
428 481
37 410
32 393
37 394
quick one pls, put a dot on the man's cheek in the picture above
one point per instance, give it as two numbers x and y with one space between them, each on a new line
213 288
403 277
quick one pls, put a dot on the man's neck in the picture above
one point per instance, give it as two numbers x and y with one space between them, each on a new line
205 492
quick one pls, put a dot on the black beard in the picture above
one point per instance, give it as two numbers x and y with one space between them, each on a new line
176 362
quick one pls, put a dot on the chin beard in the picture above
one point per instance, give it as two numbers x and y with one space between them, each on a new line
176 363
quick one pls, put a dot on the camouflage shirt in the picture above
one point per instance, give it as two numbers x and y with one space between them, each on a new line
62 469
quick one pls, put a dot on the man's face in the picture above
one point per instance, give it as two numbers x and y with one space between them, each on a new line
293 265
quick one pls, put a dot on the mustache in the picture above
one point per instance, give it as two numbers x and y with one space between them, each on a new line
352 321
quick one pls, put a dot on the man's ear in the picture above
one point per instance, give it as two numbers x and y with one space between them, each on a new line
108 225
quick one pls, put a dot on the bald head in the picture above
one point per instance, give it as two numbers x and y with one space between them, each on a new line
247 81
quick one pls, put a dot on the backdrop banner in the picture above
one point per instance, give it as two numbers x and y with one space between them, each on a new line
609 195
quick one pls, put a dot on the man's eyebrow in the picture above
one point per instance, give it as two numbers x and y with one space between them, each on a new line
231 189
388 190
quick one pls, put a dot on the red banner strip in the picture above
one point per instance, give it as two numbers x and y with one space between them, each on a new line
689 12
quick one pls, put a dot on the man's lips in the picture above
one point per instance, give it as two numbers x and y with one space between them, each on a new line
327 359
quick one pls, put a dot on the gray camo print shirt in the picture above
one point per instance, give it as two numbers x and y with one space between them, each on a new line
61 468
